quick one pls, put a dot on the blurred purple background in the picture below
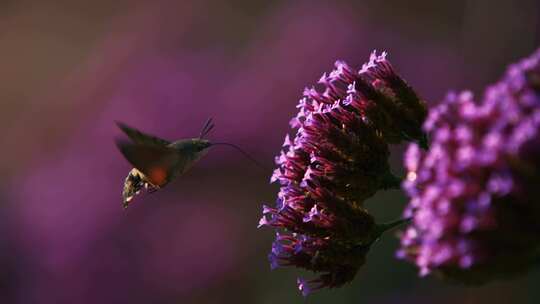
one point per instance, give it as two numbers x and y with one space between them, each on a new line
70 68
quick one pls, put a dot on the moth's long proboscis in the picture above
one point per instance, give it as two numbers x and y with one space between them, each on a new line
246 155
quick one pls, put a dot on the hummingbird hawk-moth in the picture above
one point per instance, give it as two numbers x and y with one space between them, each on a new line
156 161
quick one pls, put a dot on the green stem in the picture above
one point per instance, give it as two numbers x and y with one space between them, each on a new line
382 228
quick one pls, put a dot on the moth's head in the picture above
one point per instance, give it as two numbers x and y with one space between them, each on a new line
200 144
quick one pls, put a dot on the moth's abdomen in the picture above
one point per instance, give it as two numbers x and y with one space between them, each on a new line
135 182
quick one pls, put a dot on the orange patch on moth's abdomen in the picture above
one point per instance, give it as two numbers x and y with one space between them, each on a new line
157 176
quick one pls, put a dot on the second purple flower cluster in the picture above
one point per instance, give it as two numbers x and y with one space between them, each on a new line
474 194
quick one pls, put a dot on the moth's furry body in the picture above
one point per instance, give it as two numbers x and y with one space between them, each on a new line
156 161
192 150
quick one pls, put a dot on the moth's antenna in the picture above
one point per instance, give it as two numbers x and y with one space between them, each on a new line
208 126
243 153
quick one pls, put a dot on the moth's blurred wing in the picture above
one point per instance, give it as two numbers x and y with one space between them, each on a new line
141 138
157 163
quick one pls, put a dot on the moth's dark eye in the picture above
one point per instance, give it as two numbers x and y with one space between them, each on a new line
202 146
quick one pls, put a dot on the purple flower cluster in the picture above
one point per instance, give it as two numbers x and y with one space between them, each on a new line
337 160
474 193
